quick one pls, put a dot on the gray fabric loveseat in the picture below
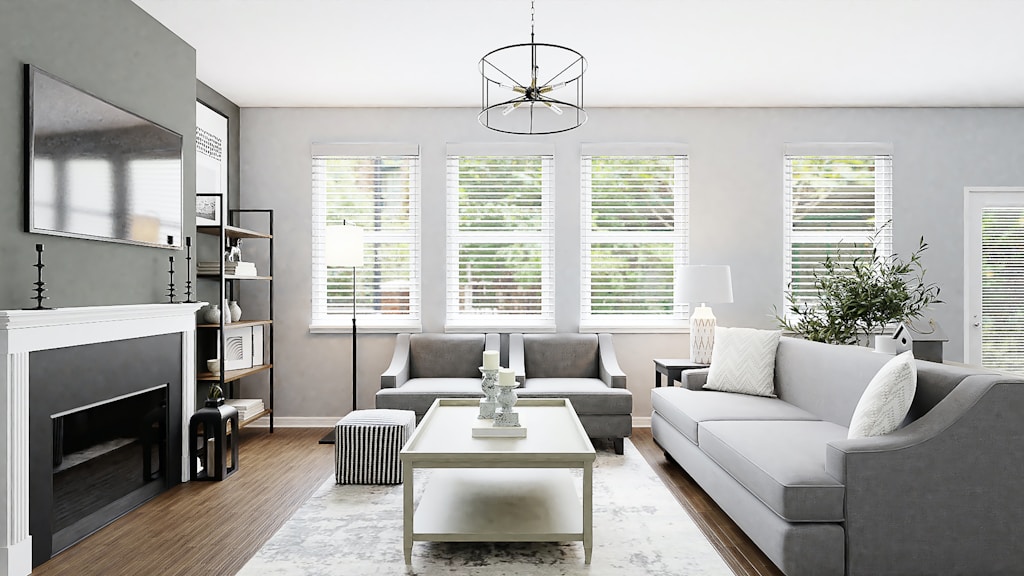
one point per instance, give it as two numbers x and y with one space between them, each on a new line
429 366
582 368
940 495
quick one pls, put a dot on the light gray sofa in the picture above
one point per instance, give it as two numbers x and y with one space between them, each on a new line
429 366
582 368
941 495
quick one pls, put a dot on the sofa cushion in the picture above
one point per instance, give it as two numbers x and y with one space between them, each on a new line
886 400
419 393
560 355
685 408
743 361
587 395
446 355
780 462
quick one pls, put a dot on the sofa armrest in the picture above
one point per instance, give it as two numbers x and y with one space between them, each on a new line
694 379
517 357
608 364
950 477
398 372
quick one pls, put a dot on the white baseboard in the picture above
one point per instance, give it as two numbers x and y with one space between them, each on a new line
330 421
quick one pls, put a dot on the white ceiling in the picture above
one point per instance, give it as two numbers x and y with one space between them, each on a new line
424 53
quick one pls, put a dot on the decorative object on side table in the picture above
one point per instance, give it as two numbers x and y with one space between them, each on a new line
489 384
40 285
703 284
506 417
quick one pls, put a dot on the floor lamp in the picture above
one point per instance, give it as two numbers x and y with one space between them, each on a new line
344 249
704 284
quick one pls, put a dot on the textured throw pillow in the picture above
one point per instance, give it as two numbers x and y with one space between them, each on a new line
743 361
886 400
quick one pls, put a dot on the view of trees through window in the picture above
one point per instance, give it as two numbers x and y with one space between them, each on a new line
835 205
634 235
499 235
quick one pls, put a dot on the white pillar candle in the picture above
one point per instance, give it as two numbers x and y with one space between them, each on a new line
506 377
490 359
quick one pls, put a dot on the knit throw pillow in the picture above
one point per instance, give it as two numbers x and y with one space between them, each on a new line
885 402
743 361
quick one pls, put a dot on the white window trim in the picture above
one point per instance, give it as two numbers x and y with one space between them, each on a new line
634 323
370 324
545 322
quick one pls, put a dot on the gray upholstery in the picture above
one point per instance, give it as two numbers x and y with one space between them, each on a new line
685 408
429 366
582 368
781 462
938 496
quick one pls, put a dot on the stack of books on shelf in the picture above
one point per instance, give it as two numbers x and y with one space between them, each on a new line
230 268
247 407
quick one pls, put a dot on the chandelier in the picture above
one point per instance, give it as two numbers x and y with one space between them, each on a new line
517 97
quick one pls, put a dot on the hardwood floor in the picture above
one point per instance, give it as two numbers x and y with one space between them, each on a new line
213 528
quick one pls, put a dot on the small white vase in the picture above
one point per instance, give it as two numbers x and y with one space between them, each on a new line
236 312
212 314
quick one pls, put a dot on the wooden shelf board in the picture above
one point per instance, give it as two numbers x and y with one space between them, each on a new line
253 418
239 324
232 375
232 232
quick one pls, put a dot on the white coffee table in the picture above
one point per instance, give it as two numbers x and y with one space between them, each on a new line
499 489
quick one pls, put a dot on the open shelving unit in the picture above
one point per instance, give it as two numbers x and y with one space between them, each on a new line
228 289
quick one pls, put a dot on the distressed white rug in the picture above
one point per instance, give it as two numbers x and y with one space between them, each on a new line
639 528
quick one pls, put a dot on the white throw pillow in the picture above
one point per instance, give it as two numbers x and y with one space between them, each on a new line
886 400
743 361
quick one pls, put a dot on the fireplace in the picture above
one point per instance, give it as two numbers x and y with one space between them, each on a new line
64 376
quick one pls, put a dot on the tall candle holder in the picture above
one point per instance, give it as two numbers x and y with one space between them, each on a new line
188 270
170 286
40 285
506 417
489 385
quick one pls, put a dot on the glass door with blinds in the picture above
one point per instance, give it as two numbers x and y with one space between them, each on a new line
994 287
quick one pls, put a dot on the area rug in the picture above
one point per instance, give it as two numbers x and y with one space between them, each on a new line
639 528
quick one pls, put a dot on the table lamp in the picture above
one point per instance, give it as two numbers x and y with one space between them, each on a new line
703 284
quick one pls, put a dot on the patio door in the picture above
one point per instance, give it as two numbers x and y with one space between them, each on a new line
994 278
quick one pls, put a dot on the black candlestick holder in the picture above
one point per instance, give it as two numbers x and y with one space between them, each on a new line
170 286
188 270
40 285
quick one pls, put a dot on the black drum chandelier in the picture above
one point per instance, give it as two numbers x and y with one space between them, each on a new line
517 97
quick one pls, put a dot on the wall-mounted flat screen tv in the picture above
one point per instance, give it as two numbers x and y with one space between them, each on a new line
97 171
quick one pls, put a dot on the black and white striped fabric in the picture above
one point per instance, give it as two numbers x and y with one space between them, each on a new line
367 444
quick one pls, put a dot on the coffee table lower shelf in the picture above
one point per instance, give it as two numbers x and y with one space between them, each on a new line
499 505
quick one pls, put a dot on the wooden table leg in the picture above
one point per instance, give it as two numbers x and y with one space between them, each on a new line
407 510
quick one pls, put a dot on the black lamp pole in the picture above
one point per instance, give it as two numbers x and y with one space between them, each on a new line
354 355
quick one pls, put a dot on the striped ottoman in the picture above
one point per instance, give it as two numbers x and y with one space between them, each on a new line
367 443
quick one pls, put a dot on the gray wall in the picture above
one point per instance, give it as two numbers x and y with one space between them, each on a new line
735 205
113 49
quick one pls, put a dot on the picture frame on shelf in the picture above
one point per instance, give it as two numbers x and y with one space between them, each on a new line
209 209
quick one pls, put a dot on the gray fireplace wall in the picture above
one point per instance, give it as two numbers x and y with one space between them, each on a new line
116 51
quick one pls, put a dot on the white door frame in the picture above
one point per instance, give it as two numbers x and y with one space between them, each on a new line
976 198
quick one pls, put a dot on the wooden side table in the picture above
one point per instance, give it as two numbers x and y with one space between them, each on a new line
673 368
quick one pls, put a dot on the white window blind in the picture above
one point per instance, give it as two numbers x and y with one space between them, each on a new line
1002 288
500 246
634 239
835 205
380 194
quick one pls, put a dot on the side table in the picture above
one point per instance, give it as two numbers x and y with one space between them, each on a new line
673 368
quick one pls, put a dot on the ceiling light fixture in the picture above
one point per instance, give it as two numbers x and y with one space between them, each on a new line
532 109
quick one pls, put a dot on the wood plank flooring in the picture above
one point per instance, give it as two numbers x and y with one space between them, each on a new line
213 528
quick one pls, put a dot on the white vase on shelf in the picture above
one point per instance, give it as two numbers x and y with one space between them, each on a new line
236 312
212 314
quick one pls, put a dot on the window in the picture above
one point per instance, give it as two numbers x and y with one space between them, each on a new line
375 187
500 247
838 203
634 239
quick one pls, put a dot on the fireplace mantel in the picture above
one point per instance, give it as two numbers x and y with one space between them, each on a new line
25 331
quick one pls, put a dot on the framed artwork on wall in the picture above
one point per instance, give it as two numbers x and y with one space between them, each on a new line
209 209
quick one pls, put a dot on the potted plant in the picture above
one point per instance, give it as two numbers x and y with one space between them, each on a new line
858 300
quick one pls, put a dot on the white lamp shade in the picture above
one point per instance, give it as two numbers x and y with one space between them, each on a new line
344 246
705 284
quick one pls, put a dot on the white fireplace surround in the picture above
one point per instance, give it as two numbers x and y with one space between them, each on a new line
25 331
